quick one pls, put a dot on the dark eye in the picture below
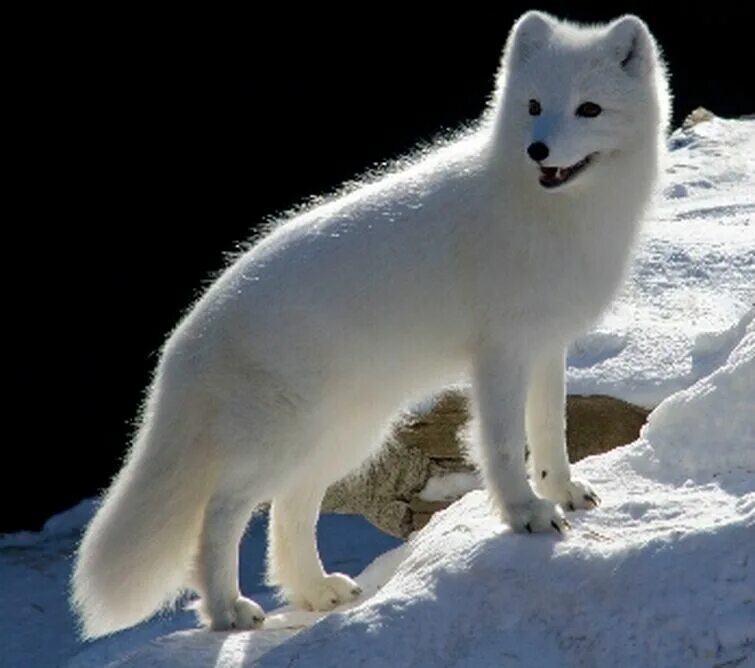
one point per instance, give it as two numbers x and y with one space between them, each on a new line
535 108
589 110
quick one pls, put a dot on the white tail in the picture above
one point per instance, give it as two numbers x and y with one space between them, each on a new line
137 552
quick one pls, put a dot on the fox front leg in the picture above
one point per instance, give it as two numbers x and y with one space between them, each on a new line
500 389
546 435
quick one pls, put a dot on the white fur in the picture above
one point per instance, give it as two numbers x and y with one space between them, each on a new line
286 374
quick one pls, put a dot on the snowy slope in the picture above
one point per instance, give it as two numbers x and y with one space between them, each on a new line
665 566
693 280
662 574
37 629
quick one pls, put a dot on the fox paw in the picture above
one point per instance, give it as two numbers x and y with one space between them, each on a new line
572 495
536 516
243 614
327 593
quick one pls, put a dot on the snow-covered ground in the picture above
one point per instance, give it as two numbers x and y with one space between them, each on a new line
662 574
37 629
693 281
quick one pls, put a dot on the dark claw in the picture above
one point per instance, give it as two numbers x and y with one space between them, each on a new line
571 506
528 527
592 498
356 591
555 526
567 524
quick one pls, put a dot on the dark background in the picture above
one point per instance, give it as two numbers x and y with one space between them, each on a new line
147 146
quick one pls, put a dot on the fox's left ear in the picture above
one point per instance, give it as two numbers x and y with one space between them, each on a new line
632 45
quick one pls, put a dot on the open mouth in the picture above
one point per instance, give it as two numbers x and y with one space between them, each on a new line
553 177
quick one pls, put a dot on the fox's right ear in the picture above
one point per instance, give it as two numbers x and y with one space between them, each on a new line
530 33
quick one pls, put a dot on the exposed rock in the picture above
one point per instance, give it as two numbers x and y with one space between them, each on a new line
430 445
597 423
699 115
436 431
383 489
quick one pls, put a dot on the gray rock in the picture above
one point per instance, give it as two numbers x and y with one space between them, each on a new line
698 115
431 444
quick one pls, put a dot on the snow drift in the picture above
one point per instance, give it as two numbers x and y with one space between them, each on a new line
679 314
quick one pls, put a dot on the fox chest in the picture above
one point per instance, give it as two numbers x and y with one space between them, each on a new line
561 284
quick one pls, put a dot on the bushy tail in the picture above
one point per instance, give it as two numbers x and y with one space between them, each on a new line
137 551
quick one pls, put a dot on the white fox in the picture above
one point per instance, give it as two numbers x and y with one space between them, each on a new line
481 260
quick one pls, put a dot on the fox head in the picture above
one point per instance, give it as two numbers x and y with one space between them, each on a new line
573 97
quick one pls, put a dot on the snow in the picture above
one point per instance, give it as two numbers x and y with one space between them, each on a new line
36 625
693 281
449 486
692 429
663 573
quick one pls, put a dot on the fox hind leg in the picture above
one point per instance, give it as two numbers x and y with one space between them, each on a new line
222 607
293 561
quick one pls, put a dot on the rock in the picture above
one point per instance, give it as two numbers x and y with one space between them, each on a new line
430 444
436 431
381 491
699 115
597 423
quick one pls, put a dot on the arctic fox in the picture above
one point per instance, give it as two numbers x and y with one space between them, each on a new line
481 260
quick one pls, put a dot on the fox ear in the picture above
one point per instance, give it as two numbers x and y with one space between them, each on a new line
529 34
632 45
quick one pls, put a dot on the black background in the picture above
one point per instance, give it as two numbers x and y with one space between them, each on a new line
146 146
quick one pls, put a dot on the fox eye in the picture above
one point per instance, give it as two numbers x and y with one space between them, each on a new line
535 108
589 110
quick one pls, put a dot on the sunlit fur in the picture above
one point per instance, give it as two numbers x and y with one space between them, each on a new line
457 265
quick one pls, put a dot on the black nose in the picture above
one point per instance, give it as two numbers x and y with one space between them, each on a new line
538 151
